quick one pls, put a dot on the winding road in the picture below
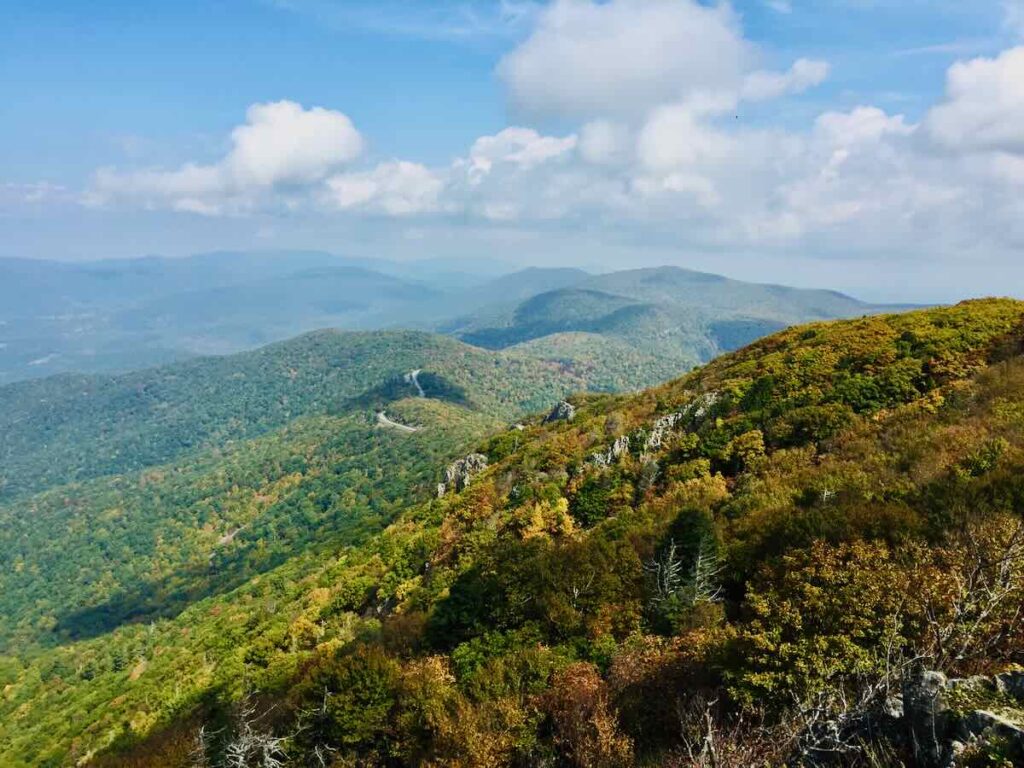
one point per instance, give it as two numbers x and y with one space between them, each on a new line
384 421
413 377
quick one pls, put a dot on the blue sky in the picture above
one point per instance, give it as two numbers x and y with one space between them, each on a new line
670 153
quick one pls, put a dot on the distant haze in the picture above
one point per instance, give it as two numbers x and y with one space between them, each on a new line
118 315
871 147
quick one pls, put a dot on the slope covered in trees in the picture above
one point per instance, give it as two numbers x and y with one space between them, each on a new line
666 317
719 562
74 427
122 315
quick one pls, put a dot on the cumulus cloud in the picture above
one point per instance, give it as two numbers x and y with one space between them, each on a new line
764 86
984 105
860 125
519 147
280 144
397 188
283 143
651 89
680 135
589 59
604 141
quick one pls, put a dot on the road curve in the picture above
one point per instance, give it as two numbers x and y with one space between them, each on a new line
413 377
384 421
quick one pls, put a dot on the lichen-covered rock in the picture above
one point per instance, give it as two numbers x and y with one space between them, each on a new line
460 473
926 715
564 411
660 429
606 458
998 733
945 717
700 408
1011 684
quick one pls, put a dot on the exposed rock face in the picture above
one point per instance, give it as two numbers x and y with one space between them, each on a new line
460 473
693 414
701 407
660 429
943 716
926 715
1011 684
606 458
564 411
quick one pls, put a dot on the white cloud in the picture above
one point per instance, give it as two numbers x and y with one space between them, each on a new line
680 135
653 86
590 59
984 106
283 143
397 188
604 142
860 125
765 86
523 148
280 144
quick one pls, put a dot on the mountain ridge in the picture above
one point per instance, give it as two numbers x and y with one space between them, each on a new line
845 447
114 315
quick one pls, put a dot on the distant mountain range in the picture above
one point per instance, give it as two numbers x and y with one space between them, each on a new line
130 314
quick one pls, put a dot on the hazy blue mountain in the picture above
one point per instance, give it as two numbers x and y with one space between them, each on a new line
663 320
129 314
120 315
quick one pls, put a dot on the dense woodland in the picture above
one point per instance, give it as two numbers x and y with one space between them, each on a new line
711 572
74 427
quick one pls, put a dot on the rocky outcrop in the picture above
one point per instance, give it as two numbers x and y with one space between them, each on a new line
660 430
693 415
943 718
564 411
698 410
460 473
654 439
1011 684
606 458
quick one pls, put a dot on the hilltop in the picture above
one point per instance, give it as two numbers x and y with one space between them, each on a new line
720 559
117 316
670 318
76 427
128 497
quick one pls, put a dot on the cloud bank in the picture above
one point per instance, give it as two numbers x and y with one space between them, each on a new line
655 90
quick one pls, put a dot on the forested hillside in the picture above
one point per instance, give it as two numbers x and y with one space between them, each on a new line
710 572
666 319
74 427
123 315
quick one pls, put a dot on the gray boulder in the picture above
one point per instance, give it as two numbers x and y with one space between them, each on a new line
942 717
460 473
564 411
926 716
1011 684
